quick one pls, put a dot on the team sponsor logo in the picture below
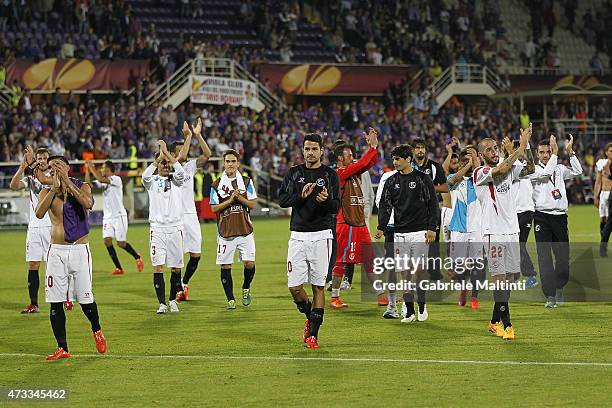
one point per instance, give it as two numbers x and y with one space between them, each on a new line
503 188
320 182
528 225
412 184
356 200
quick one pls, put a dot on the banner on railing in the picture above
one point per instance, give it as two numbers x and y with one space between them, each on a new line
333 79
77 74
225 91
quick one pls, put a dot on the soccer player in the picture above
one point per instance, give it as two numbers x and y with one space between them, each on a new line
38 236
166 219
522 189
232 197
499 224
550 217
466 237
450 166
603 185
68 275
114 221
436 172
411 196
192 232
351 229
391 312
313 193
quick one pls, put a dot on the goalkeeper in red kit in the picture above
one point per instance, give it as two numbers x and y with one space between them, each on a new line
351 228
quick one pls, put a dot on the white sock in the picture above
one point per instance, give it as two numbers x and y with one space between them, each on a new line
335 292
392 299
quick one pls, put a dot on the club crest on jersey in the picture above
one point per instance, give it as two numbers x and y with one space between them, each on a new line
225 189
412 184
320 182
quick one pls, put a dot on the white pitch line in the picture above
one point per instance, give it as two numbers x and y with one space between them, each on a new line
331 359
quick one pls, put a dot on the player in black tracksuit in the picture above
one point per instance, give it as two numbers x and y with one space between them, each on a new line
312 190
410 194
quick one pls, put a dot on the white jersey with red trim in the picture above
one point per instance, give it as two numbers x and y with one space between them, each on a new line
498 202
34 188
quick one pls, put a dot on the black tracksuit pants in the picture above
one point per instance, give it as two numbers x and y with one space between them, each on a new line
552 238
525 220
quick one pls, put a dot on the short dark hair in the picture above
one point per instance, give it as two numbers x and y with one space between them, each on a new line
544 142
174 145
454 156
463 154
42 150
109 164
418 141
404 151
232 152
313 137
339 150
58 157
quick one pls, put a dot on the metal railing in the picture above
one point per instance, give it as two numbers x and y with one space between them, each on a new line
523 70
218 67
467 74
590 130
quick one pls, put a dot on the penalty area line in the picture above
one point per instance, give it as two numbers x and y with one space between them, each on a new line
323 359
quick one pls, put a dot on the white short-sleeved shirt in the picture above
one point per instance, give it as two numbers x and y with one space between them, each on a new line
113 197
497 200
187 191
34 188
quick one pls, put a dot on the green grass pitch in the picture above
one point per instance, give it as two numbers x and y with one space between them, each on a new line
207 356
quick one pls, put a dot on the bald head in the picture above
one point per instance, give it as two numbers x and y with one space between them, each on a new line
489 151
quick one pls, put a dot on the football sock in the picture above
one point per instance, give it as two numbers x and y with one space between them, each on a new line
409 308
304 307
130 250
58 324
113 255
175 284
350 271
33 285
495 318
248 277
335 292
316 320
392 298
602 225
190 269
421 295
160 287
91 312
504 311
228 283
421 306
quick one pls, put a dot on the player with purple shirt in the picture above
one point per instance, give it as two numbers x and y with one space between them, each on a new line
68 274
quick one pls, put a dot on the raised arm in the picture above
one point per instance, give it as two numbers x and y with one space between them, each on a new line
449 155
507 164
92 168
147 175
16 182
366 161
206 152
184 153
576 167
82 194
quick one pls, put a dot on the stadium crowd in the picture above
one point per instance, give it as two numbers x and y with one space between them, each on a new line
268 140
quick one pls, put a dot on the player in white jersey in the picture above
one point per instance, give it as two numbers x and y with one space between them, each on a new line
39 230
601 195
466 236
166 219
192 238
114 221
499 224
450 166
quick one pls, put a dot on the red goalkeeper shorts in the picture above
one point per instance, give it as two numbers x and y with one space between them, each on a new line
350 240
